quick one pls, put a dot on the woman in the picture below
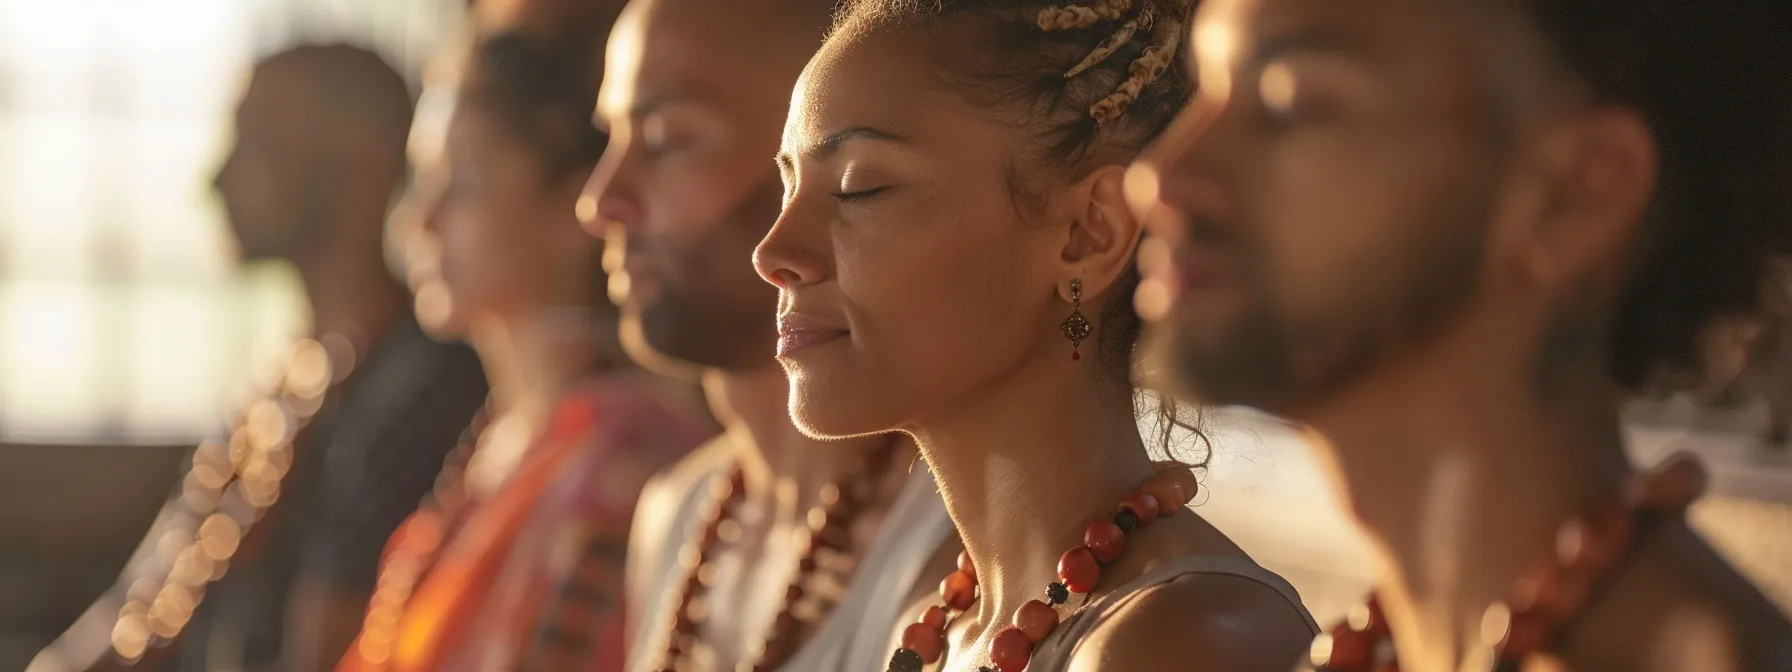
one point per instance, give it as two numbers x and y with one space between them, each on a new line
516 563
954 231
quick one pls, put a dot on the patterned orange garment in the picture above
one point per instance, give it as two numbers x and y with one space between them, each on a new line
529 577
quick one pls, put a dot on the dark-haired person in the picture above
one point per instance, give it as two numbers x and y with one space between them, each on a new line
793 578
517 560
956 262
317 156
1453 237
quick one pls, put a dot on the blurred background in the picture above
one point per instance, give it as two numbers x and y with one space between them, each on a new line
127 327
126 324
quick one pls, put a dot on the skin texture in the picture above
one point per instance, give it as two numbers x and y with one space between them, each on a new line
1397 222
938 295
693 96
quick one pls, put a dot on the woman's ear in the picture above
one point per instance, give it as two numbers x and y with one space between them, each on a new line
1103 233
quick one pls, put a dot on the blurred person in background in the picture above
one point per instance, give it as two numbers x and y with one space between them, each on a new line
1454 238
517 560
318 155
813 547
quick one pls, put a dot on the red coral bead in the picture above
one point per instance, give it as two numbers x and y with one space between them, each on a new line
1105 540
964 565
1078 570
1142 505
1183 478
1036 620
1378 623
925 640
1524 638
958 591
1173 489
1011 650
935 617
1166 494
1350 649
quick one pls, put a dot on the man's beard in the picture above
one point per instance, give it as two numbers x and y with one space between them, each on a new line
706 315
1283 363
708 332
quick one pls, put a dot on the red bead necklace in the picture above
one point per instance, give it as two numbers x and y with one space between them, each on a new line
1547 598
830 531
1079 570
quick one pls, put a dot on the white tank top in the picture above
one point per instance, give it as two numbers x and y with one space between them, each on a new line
1054 653
856 633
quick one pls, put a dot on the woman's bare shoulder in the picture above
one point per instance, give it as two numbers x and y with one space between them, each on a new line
1199 621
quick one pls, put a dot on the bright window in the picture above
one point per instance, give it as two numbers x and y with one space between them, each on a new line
123 316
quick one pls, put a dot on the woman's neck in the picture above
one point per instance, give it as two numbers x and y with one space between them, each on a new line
1462 472
1024 464
779 461
531 360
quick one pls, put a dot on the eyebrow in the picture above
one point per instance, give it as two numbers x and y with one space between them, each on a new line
831 144
645 106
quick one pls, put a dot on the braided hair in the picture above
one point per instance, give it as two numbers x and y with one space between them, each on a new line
1092 83
1084 84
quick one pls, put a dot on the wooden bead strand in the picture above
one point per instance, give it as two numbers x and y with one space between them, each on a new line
830 531
1588 549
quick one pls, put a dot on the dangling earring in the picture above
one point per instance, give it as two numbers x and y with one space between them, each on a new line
1076 327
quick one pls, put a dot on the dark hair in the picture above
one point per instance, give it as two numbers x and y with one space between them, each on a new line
1023 60
1714 83
538 76
365 100
540 79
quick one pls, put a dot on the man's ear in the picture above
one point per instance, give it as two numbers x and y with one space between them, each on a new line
1599 170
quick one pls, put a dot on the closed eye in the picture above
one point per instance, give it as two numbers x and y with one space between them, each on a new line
859 196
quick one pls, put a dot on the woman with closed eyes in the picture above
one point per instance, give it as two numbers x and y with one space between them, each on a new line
955 260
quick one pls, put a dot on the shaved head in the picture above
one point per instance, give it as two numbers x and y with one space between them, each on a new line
757 39
319 150
694 96
337 94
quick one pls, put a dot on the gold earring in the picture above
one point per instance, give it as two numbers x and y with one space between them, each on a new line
1076 327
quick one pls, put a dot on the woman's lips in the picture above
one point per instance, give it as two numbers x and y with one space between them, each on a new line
796 332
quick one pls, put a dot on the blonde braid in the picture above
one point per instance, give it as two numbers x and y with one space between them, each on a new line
1147 68
1112 44
1072 17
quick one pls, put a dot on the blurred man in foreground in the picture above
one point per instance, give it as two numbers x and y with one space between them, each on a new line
1454 237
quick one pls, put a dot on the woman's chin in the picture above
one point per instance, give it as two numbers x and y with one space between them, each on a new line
833 416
